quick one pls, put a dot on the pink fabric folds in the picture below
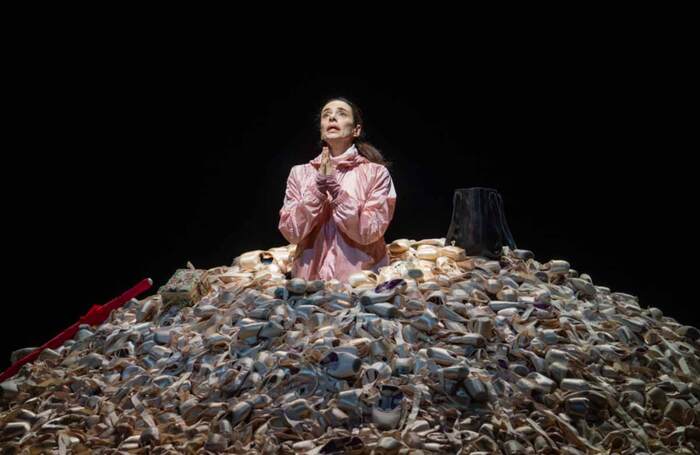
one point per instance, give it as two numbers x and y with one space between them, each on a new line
336 237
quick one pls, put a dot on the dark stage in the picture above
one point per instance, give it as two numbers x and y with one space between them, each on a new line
119 172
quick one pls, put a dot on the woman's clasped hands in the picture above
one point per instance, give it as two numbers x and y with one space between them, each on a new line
325 179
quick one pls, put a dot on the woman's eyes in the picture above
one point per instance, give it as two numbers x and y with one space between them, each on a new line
339 113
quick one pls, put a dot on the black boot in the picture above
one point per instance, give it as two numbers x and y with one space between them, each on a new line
478 223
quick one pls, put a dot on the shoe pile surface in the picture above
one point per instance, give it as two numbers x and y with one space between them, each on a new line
437 352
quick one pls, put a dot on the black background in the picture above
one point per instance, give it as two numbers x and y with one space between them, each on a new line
126 165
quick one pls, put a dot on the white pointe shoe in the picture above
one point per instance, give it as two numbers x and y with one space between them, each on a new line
378 371
386 413
341 365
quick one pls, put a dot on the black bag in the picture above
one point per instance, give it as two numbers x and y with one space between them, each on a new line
478 223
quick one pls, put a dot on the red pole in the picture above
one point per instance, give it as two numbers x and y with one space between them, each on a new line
95 316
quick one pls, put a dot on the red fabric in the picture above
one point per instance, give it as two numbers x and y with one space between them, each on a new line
95 316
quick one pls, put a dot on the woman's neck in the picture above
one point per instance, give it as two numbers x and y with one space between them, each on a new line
339 149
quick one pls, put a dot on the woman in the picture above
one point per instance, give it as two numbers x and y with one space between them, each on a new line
338 205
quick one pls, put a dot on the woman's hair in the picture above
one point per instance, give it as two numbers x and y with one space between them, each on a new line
364 148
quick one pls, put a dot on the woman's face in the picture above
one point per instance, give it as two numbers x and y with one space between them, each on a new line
337 122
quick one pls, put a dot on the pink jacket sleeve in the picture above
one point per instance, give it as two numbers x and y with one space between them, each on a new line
366 221
303 203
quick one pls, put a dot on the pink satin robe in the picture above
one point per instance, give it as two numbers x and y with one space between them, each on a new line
342 236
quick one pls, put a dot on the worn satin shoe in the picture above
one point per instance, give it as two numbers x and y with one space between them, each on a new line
386 413
341 364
